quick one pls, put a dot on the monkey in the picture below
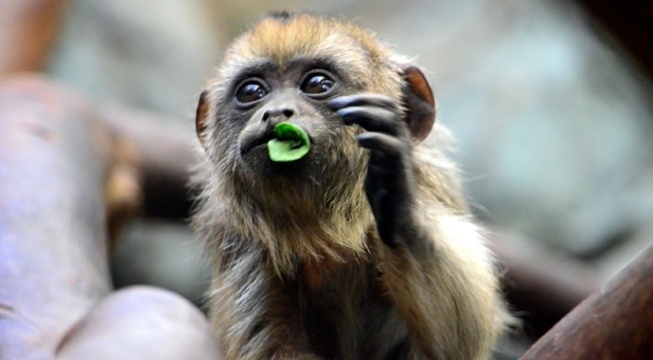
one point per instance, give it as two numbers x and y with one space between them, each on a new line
363 249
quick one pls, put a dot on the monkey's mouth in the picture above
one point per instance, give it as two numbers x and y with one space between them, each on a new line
259 141
254 141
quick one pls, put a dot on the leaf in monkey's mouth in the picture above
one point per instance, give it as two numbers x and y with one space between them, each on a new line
291 143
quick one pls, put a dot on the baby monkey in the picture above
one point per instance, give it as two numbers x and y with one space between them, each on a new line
363 248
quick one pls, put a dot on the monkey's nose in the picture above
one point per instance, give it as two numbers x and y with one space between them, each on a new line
279 114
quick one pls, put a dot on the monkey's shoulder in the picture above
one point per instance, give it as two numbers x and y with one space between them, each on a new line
438 179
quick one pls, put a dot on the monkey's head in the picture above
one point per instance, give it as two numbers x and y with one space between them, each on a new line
286 69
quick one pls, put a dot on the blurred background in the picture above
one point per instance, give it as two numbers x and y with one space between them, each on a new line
550 103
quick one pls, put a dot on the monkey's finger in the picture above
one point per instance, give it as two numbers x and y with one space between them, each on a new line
374 179
371 119
370 99
377 159
374 190
392 147
376 198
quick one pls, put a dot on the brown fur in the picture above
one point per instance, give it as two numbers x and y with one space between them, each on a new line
299 271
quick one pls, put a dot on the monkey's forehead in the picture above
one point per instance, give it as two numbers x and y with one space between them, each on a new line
306 36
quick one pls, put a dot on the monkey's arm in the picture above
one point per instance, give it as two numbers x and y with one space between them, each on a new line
435 268
389 183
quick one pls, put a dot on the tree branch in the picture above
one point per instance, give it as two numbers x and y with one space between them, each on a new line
614 323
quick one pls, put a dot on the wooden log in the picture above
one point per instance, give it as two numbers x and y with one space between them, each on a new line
53 251
56 160
121 328
614 323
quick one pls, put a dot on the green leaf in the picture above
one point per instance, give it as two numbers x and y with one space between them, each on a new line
291 143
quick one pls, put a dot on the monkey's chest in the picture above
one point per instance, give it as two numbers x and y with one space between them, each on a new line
347 316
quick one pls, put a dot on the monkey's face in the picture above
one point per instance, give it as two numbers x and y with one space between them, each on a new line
296 94
287 71
268 94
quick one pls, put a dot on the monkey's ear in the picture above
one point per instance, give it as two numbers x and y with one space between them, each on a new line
419 102
201 116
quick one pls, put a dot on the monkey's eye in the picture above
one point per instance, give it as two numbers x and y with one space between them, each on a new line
317 83
251 91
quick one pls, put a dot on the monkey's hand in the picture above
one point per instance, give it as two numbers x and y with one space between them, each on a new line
389 183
